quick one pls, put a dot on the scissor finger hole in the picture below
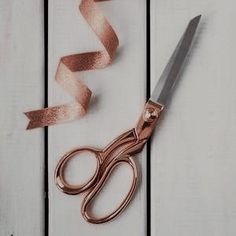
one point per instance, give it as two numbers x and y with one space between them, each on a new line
115 189
81 168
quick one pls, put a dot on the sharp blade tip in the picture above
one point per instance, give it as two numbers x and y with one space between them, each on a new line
196 19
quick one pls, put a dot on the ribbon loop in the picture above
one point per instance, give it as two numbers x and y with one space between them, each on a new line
78 62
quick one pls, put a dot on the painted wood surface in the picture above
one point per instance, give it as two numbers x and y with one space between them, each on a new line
21 151
193 152
119 96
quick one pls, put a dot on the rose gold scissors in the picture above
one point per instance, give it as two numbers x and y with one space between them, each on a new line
131 142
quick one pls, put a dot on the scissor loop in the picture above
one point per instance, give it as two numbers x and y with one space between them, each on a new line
88 200
60 172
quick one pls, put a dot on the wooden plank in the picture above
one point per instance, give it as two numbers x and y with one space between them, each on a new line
21 151
193 152
119 98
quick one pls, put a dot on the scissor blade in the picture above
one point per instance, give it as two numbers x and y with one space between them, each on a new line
170 74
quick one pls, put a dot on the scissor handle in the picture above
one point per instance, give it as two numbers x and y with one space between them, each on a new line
88 200
60 180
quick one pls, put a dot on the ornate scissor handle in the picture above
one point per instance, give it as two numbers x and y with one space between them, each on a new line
96 182
118 152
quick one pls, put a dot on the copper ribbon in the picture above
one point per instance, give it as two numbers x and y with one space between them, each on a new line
78 62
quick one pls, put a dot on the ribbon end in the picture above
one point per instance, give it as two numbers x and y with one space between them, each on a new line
28 126
31 124
26 114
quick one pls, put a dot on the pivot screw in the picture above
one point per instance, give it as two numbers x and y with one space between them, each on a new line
150 114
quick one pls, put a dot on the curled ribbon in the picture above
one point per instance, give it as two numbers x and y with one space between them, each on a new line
78 62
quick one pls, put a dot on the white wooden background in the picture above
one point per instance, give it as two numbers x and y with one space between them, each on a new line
119 95
21 152
193 151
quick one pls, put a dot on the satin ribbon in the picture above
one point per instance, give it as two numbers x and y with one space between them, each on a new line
78 62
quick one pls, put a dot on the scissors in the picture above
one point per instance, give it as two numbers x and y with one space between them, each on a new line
120 151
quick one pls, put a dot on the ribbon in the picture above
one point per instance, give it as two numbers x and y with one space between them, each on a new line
78 62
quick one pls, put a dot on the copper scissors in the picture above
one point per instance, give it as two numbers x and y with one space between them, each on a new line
130 142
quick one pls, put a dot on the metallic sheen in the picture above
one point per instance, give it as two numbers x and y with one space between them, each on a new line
65 75
120 151
170 75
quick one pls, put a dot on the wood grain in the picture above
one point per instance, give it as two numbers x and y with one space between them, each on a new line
21 151
119 96
193 152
